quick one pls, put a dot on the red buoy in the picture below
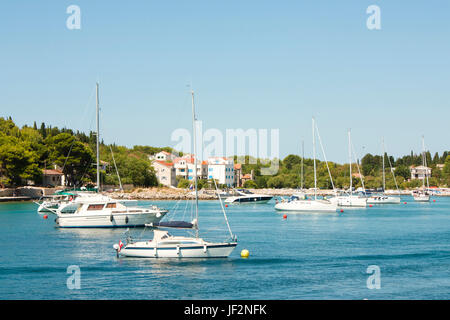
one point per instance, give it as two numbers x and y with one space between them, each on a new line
342 210
434 200
285 216
226 206
45 216
404 202
370 205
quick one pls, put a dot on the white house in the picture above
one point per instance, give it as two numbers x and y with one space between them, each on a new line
53 177
221 169
420 172
163 156
184 167
165 173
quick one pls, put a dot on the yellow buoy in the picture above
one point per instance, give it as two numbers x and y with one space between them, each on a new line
245 253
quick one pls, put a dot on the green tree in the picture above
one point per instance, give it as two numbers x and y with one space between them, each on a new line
250 184
72 156
402 171
17 163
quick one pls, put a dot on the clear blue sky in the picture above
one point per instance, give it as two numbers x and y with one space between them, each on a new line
253 64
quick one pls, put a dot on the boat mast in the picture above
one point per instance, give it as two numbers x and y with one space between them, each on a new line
195 162
117 171
424 161
98 139
350 161
314 156
303 156
384 174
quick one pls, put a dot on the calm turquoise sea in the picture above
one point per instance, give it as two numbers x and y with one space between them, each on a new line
306 256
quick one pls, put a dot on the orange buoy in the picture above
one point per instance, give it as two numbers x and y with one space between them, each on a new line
45 216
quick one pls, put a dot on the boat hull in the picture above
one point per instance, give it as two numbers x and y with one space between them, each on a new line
306 206
243 200
422 198
383 200
118 220
147 250
349 201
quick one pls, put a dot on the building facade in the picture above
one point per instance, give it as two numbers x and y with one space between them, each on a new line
420 172
53 178
222 170
165 173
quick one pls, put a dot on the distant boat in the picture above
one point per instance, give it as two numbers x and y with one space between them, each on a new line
165 245
245 196
382 198
424 194
350 199
300 203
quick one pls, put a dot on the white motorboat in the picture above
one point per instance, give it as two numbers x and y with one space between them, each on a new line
424 194
245 196
66 198
165 245
94 210
299 203
106 213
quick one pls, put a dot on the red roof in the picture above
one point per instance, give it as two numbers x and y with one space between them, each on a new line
237 166
167 164
52 172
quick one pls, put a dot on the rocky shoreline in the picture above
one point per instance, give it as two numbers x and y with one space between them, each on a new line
183 194
164 193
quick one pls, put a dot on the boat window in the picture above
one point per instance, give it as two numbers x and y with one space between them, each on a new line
95 207
111 205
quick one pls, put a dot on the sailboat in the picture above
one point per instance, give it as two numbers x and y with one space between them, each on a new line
423 195
94 210
350 199
299 204
382 198
165 245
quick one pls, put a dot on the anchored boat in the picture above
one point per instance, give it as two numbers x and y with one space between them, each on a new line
246 196
165 245
301 204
